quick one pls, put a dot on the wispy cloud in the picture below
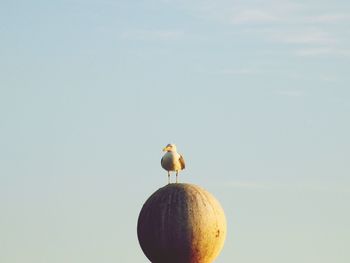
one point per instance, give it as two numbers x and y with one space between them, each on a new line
236 72
329 78
247 184
322 51
310 41
297 28
326 18
300 185
253 16
309 37
151 35
291 93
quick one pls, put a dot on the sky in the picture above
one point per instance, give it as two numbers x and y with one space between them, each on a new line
255 94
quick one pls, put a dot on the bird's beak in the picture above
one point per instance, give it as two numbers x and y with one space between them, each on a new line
165 149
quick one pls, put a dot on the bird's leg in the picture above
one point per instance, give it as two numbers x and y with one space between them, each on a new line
176 175
168 177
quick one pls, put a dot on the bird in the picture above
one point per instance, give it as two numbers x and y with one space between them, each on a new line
172 160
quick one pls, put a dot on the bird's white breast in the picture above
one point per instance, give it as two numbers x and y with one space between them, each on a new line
170 161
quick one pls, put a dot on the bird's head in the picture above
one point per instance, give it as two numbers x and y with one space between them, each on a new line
170 148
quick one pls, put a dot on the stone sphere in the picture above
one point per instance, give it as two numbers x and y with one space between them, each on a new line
181 223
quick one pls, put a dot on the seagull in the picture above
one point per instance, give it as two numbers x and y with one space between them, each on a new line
172 160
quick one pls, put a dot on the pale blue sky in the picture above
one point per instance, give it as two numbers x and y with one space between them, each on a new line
254 93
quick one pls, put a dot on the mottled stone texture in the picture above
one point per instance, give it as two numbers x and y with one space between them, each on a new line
181 223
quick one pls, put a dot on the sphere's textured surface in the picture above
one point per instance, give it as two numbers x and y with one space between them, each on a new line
181 223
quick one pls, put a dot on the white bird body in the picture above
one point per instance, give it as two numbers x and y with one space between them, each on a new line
172 160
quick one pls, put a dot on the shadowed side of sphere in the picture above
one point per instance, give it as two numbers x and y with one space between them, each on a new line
181 223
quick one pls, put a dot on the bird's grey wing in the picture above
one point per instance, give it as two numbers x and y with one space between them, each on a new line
162 163
182 162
